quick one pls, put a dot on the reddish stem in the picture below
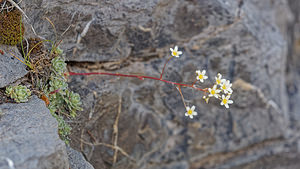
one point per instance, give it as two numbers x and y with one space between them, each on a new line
162 72
194 82
139 77
93 137
55 91
182 98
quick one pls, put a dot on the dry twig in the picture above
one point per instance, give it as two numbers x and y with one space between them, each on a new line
109 146
116 131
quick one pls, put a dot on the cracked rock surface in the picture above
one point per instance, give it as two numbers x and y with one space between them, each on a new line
245 41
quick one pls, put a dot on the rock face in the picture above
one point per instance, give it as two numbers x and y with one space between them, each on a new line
11 69
243 40
293 62
77 160
28 137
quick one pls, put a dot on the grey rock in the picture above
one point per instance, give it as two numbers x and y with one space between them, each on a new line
293 63
119 32
29 138
243 40
11 69
76 160
279 161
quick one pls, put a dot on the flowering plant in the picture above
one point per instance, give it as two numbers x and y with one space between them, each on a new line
221 90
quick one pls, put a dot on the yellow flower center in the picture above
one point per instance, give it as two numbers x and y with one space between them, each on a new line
200 76
174 53
218 81
206 100
190 112
213 92
224 87
224 101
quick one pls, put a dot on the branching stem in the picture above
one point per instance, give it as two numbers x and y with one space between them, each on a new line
162 72
139 77
182 98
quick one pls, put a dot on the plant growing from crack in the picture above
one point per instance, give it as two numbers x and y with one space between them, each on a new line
47 81
62 101
64 129
221 90
19 93
61 98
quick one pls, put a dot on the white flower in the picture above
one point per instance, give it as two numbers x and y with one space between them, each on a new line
206 99
226 86
219 79
175 52
190 112
225 101
201 75
214 91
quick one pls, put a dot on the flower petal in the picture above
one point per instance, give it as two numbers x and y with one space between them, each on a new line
186 114
193 108
191 116
179 52
195 113
171 49
230 101
226 105
203 72
176 48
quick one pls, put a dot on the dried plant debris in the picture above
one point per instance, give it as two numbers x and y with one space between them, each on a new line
7 5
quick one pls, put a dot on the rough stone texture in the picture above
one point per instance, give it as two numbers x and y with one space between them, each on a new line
77 160
140 30
293 62
243 40
285 160
28 137
11 69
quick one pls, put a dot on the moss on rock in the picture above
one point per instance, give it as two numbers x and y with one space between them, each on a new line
10 29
